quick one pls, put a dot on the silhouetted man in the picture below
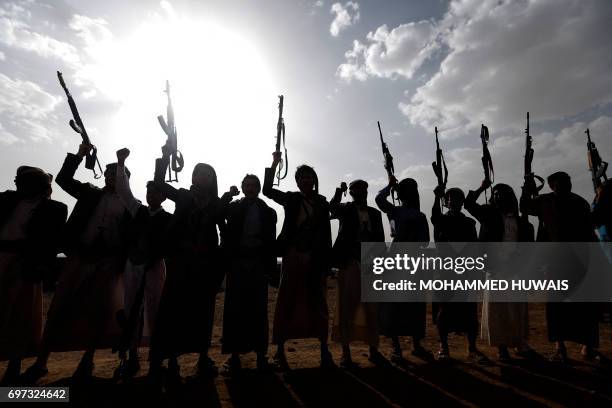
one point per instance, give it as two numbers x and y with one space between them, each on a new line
305 245
248 242
29 226
458 317
354 320
410 224
145 270
89 292
566 217
194 272
503 324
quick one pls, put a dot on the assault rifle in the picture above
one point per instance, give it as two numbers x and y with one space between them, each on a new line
530 188
280 137
597 166
487 162
388 160
91 159
176 157
439 166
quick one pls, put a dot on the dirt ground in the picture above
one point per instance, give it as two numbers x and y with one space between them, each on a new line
520 383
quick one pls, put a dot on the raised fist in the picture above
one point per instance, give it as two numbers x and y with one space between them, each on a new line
84 149
122 154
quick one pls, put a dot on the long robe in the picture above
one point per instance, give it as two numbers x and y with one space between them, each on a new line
408 318
89 292
305 245
567 218
145 269
354 320
28 245
502 323
187 306
458 317
249 250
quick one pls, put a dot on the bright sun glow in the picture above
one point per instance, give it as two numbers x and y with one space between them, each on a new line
223 96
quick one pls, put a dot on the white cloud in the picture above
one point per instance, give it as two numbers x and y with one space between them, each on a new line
501 59
319 3
549 56
346 16
93 32
6 137
390 53
24 108
16 31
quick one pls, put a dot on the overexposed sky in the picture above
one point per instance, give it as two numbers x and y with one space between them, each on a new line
342 66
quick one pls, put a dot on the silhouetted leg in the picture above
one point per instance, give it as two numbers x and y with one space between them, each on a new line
396 355
280 359
206 366
326 357
86 365
444 351
13 369
262 360
346 359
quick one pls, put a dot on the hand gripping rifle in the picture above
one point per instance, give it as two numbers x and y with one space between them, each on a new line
280 136
597 166
487 162
177 162
91 159
530 188
388 160
439 166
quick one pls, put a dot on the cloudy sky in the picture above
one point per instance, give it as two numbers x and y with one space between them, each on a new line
342 66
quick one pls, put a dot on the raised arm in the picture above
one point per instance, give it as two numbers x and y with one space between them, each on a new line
476 210
65 177
161 165
225 200
382 202
436 209
335 205
268 190
122 184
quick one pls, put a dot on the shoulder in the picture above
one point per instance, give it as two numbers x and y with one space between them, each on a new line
374 211
8 195
57 205
321 199
580 200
